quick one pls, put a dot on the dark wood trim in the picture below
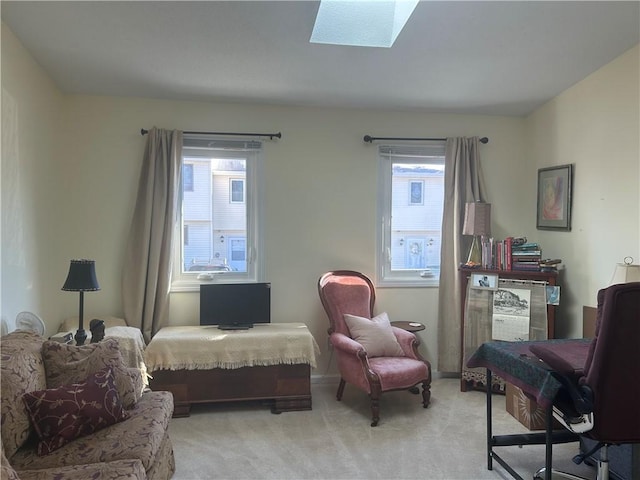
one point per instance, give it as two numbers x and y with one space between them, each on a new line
285 387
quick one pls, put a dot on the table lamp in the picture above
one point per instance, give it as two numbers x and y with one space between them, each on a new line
625 272
477 222
81 278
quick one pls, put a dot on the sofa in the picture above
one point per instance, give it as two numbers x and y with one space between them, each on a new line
119 429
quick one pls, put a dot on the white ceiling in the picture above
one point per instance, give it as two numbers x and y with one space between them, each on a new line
502 58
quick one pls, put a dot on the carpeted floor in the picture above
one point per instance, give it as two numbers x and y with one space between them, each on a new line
335 441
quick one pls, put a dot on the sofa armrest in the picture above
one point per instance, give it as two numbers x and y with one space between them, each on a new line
138 383
114 470
6 470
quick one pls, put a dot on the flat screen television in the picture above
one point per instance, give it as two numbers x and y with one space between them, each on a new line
235 303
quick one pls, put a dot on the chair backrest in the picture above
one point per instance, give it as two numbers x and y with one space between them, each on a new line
345 291
612 368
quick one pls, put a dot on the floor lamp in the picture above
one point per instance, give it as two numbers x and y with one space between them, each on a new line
81 278
477 222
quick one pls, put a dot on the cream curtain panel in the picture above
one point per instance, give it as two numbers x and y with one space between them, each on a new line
463 183
148 259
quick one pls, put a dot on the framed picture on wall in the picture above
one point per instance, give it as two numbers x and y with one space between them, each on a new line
554 198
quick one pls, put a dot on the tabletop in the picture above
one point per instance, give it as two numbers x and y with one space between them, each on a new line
514 362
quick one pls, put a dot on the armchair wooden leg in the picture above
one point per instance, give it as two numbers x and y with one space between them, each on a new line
340 389
426 394
375 411
376 391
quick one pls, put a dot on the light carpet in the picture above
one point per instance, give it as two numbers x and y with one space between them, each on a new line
335 440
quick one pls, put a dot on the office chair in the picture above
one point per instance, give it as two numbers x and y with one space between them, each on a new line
602 400
352 293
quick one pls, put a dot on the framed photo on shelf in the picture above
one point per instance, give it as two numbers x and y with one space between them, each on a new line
554 198
484 281
553 294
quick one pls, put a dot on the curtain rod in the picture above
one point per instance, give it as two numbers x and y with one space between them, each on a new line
270 135
370 139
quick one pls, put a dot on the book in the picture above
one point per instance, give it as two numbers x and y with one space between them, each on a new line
522 253
508 252
529 267
526 246
526 258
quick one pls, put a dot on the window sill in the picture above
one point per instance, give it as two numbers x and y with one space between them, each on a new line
413 283
192 283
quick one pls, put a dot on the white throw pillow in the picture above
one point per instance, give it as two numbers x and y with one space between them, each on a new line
375 335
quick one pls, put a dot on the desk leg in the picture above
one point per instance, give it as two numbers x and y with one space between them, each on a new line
548 444
489 432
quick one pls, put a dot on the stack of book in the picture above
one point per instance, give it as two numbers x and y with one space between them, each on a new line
515 253
526 256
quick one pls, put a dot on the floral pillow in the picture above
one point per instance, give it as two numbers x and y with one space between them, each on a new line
60 415
67 364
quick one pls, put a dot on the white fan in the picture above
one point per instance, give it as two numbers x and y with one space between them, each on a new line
30 321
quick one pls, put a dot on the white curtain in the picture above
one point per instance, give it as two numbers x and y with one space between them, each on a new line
148 260
462 183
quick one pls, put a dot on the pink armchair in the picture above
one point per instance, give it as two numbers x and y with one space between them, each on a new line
348 292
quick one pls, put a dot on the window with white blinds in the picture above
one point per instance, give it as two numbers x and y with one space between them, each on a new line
411 200
220 225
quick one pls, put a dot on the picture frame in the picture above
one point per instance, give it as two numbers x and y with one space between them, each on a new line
553 294
554 198
484 281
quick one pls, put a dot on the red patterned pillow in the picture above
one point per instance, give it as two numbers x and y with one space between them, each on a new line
60 415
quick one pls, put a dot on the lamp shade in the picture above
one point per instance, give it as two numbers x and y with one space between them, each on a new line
477 219
625 272
81 277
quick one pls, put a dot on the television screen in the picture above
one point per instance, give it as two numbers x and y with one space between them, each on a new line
235 303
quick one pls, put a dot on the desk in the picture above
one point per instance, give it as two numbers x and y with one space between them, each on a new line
516 364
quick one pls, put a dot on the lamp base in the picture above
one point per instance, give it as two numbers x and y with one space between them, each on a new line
80 336
475 253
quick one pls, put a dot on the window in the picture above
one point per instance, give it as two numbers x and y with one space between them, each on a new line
416 187
187 177
237 190
220 223
410 205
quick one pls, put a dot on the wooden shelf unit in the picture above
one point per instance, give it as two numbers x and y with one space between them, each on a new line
464 274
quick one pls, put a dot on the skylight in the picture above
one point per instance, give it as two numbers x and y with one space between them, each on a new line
363 23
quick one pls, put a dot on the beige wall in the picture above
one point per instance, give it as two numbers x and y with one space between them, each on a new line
594 125
320 203
320 199
31 185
